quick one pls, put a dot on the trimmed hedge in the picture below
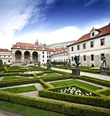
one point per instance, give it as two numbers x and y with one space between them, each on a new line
59 77
44 84
94 80
104 91
52 105
18 82
99 101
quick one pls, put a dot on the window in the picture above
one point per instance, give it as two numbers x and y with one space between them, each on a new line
8 56
72 58
92 57
26 46
4 56
84 57
18 46
43 56
78 47
84 46
8 61
102 55
92 34
102 42
92 44
42 52
71 48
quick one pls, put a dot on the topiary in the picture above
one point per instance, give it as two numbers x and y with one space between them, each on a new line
1 63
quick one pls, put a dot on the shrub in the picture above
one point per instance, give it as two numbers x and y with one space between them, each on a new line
52 105
44 84
89 100
18 82
94 80
2 68
1 63
104 91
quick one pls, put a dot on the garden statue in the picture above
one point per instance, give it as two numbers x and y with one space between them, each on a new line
69 64
39 64
76 58
104 61
48 64
103 68
76 70
54 63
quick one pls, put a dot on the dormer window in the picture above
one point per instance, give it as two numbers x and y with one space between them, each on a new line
18 46
26 46
92 34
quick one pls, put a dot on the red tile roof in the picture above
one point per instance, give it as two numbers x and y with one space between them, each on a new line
102 31
4 50
31 47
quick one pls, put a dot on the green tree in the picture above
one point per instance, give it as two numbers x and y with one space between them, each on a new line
1 63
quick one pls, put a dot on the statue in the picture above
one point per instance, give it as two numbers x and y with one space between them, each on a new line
39 64
54 63
48 64
76 58
104 62
103 68
69 64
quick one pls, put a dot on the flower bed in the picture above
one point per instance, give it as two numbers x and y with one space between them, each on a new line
75 91
32 72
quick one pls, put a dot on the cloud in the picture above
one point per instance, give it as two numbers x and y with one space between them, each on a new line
68 33
16 14
90 2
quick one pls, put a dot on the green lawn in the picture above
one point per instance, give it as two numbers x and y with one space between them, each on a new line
76 82
25 110
21 89
50 74
13 78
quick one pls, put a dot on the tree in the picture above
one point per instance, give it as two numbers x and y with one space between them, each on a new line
1 63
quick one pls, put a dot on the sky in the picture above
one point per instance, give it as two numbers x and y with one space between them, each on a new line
50 21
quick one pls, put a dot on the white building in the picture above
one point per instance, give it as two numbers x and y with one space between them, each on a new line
30 53
92 47
6 56
59 55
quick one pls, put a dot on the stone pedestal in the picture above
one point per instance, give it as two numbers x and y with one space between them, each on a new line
103 70
76 71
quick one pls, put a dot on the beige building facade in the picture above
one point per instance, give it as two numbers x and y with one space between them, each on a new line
92 47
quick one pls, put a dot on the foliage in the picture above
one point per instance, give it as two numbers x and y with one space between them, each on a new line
13 78
61 107
94 80
44 84
1 63
96 100
104 91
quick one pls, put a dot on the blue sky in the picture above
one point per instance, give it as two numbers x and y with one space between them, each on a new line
50 21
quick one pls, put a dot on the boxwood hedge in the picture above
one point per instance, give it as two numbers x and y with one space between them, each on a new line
53 105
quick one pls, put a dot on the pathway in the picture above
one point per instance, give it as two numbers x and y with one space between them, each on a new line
99 76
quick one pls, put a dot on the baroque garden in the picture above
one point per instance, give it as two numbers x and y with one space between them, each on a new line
52 89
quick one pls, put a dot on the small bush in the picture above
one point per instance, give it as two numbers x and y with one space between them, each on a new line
104 91
1 63
44 84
